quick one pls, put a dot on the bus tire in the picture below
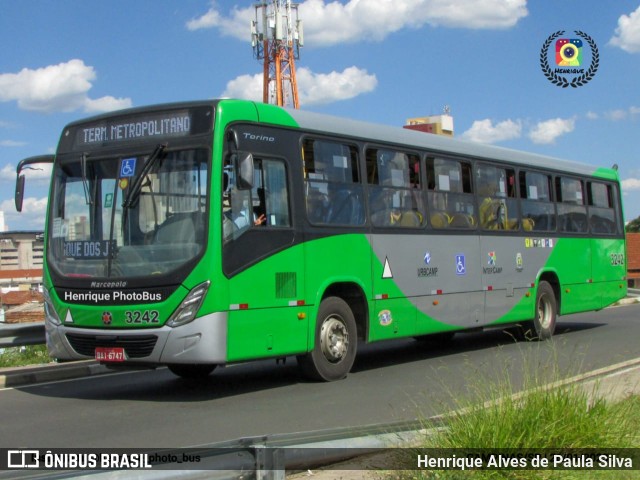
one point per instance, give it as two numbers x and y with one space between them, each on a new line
191 370
335 342
544 321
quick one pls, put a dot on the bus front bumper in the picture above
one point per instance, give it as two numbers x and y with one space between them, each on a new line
202 341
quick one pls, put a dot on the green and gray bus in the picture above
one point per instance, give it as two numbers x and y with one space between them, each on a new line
208 233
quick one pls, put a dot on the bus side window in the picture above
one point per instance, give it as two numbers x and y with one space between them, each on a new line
333 191
270 197
498 206
602 217
395 198
450 195
538 210
572 213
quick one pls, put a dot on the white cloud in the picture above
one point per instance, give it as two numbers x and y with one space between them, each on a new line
56 88
31 217
209 20
322 88
313 88
333 22
484 131
106 104
549 130
11 143
627 35
616 115
247 87
40 173
630 184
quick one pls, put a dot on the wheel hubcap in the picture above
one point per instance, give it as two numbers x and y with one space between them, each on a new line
544 312
334 340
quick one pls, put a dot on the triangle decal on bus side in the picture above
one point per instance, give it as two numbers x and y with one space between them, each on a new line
387 273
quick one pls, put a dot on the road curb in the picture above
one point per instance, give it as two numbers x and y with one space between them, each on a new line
22 376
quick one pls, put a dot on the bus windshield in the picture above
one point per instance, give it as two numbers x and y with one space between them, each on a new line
99 227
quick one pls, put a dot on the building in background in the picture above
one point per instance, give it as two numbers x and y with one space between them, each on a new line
633 260
21 250
21 256
437 124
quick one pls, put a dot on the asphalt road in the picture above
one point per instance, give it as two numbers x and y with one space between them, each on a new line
394 381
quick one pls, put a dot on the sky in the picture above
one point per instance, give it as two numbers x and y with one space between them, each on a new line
382 61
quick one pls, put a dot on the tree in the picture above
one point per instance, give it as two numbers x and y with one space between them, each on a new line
633 226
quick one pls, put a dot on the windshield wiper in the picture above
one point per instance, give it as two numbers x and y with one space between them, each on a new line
85 183
134 192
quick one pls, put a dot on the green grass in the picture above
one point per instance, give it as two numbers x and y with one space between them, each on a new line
21 356
494 416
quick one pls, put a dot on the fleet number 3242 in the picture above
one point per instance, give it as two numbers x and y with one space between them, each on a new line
145 316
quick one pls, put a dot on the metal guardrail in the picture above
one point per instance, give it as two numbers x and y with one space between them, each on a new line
21 334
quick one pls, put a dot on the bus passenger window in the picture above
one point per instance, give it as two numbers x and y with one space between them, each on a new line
538 210
498 206
395 198
572 214
333 191
602 216
450 196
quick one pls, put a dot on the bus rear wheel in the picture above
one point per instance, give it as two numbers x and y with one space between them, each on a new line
544 321
335 342
191 370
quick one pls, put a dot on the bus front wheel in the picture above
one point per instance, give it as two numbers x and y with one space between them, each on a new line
335 342
544 321
191 370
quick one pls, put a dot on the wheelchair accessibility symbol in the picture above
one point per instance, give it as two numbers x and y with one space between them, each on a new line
128 167
461 268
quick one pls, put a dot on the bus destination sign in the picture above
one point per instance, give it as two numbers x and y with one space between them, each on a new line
168 124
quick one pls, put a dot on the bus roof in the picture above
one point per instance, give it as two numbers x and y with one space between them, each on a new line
332 125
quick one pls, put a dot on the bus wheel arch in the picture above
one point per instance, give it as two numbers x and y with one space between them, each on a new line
353 294
335 342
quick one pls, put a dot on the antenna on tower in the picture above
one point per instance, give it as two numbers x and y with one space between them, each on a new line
276 38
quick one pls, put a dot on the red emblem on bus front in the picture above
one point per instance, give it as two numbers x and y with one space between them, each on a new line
106 318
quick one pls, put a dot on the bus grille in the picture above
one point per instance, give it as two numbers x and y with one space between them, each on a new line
135 346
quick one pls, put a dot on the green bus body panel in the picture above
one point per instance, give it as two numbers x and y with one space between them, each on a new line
275 115
607 174
277 322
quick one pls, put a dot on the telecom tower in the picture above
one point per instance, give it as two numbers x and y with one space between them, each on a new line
276 38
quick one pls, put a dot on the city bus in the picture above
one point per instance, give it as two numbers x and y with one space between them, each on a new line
202 234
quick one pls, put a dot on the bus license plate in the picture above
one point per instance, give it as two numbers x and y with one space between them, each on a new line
110 354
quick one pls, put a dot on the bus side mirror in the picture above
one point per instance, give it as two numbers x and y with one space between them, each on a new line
20 178
244 171
19 192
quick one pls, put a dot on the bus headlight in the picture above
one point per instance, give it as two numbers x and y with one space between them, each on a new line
50 313
187 310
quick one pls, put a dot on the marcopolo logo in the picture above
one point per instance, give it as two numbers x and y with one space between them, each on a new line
576 59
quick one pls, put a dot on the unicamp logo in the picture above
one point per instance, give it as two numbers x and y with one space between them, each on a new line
570 57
